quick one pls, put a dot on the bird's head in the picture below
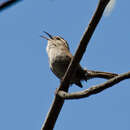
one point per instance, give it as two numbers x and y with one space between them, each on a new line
55 41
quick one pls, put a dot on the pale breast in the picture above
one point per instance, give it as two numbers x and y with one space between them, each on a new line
59 64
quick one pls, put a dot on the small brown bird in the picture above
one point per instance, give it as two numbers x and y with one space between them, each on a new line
60 57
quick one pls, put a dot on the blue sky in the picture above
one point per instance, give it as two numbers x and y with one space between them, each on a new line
27 85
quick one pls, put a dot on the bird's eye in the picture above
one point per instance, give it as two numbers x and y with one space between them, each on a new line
57 38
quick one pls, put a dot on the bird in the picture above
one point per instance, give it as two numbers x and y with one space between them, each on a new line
59 56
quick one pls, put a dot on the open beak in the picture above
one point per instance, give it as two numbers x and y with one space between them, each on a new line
50 36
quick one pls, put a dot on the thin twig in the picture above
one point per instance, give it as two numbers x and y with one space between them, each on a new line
6 4
95 89
58 102
99 74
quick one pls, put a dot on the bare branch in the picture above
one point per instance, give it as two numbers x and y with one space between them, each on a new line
6 4
95 89
58 102
98 74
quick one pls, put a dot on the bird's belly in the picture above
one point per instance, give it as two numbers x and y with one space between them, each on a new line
59 66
